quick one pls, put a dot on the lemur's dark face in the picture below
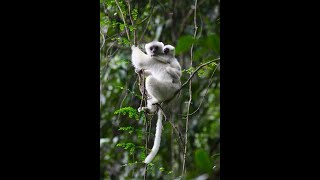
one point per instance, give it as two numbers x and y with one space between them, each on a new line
166 50
154 49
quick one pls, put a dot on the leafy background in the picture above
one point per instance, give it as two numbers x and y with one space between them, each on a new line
124 132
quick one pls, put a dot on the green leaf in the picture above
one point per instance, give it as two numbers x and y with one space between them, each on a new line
203 161
130 129
190 70
131 28
120 145
134 14
214 129
114 24
126 41
140 133
201 73
121 27
161 169
142 156
127 146
123 61
213 42
150 166
184 44
199 52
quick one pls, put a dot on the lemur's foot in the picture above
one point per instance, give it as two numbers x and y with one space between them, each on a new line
138 71
145 109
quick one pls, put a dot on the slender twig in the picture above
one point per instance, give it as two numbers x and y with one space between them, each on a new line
103 40
104 68
133 166
209 84
190 77
113 53
142 87
144 98
145 29
126 94
172 152
184 20
133 86
173 125
147 139
195 71
144 18
124 21
132 23
190 94
111 36
109 48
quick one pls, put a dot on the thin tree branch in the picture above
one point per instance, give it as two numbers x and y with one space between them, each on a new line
142 87
124 21
198 68
173 125
184 20
103 40
144 98
125 96
132 23
142 35
190 94
210 82
190 77
109 37
147 139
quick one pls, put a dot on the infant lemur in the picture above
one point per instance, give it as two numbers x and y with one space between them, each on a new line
163 72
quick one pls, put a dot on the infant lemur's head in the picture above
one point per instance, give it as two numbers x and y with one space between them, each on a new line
169 50
154 48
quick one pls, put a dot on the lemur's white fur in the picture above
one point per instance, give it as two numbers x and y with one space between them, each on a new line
161 84
169 56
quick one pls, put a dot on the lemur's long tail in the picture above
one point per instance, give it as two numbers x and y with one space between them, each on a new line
157 139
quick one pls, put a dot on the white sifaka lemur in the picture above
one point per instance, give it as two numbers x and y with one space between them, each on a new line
162 81
169 56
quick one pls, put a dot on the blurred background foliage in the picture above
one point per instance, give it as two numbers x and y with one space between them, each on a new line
123 134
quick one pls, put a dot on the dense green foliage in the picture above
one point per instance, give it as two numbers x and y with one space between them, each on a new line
123 131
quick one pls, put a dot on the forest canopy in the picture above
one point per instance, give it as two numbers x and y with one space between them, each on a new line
126 135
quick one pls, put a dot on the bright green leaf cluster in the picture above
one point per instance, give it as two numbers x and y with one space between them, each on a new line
127 146
161 169
130 129
133 113
134 14
190 70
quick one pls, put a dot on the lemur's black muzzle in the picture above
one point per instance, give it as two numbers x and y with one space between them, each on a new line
154 49
166 50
